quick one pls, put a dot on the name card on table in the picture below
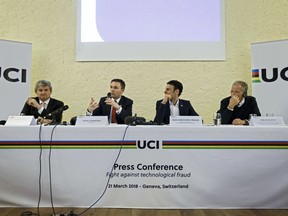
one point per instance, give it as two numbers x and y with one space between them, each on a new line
21 121
267 121
91 120
186 121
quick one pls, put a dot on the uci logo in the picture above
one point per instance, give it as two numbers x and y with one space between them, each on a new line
151 144
268 78
14 74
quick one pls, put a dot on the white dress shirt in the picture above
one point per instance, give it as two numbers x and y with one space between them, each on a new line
43 107
174 109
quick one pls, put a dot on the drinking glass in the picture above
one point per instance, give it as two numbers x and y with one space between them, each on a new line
252 115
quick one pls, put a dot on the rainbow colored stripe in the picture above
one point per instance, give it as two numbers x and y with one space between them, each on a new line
255 76
68 144
132 144
225 145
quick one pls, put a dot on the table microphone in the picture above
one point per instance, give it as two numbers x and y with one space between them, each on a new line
61 109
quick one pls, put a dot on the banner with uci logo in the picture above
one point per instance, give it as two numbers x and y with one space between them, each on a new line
15 76
270 77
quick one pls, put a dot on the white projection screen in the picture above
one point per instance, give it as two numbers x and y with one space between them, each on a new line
150 30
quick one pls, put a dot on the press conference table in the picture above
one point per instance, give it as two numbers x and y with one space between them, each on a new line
156 166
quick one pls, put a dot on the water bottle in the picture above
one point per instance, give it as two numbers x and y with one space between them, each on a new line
217 119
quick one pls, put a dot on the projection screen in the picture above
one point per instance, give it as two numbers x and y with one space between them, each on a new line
150 30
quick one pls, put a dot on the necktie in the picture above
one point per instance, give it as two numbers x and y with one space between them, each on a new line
43 104
113 115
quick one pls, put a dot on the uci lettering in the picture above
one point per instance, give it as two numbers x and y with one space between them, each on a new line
14 74
151 144
274 77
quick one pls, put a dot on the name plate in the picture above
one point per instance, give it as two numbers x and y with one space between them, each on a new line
21 121
91 120
267 121
186 121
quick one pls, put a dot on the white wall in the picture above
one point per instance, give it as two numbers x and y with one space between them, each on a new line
50 26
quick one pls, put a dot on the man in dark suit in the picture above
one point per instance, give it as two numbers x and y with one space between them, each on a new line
236 108
172 105
115 105
43 104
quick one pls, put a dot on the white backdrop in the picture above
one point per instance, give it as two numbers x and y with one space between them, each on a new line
270 82
15 76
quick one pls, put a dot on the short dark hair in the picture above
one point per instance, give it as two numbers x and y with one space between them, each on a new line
177 85
122 83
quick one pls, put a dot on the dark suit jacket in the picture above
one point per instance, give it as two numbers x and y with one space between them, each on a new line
249 107
163 111
104 110
52 106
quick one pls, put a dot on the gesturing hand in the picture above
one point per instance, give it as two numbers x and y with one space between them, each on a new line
32 102
112 102
92 105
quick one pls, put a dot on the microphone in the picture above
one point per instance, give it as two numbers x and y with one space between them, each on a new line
134 120
61 109
109 95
